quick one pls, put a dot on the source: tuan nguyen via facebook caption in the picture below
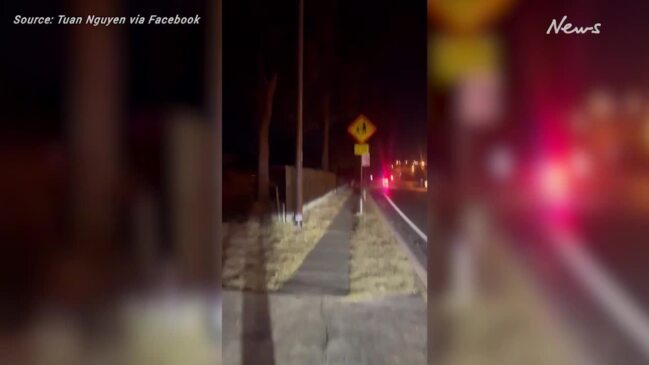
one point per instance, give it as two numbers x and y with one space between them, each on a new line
106 20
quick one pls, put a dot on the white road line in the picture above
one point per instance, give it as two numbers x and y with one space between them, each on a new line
412 225
610 294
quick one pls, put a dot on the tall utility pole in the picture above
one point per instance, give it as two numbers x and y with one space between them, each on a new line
298 152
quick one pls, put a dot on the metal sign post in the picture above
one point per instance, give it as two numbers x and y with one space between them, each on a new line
361 129
365 162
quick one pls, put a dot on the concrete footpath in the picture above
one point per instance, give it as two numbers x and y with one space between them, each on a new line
326 269
310 320
323 329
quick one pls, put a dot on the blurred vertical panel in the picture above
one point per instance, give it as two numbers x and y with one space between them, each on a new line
440 215
87 213
214 105
95 113
190 183
94 117
464 103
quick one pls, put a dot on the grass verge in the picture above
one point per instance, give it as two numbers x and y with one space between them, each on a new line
261 256
508 322
378 266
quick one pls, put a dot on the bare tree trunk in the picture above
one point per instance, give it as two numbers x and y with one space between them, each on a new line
266 111
325 136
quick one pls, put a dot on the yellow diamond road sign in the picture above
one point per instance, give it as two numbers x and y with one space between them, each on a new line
361 129
467 16
452 57
361 149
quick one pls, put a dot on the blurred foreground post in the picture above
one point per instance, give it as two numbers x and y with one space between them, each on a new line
215 120
442 221
466 68
461 51
95 118
192 189
215 107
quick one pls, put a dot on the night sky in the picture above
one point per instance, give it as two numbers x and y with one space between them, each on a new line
163 65
551 74
369 56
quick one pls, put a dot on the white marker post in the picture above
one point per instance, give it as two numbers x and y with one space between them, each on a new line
365 161
360 196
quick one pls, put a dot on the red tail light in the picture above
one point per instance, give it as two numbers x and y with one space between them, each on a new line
385 182
554 182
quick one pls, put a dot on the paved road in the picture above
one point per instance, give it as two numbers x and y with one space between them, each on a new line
322 329
412 204
326 268
620 240
616 239
615 242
